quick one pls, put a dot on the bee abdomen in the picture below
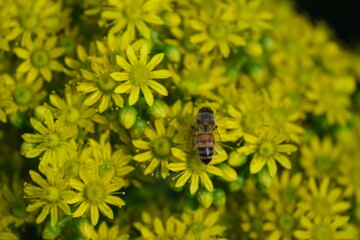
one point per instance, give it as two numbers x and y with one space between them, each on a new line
206 154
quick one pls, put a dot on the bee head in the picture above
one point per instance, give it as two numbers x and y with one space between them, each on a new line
206 110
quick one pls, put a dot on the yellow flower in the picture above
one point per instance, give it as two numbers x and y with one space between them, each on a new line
94 192
104 233
199 77
321 158
154 228
115 162
12 202
216 31
324 229
285 188
157 148
50 196
34 18
195 171
25 94
322 201
72 109
99 85
139 74
331 96
350 174
253 218
282 222
267 148
203 224
40 58
54 141
132 14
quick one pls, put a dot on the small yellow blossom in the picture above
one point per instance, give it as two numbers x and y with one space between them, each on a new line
40 58
94 193
158 149
139 74
194 171
131 15
267 148
99 85
54 141
50 196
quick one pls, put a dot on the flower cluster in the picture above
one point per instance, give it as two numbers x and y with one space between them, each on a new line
101 137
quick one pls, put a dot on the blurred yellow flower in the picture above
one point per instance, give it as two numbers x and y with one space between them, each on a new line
131 15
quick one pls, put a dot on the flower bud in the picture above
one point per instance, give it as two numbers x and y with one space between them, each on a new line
171 19
40 112
219 197
205 197
127 116
172 53
18 119
85 228
159 109
254 49
50 232
267 43
264 178
229 174
237 159
238 184
25 147
138 128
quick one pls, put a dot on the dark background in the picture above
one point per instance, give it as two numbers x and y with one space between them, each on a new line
343 16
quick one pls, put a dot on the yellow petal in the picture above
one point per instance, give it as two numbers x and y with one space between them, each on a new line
134 95
149 98
284 161
160 74
158 87
257 163
194 185
120 76
155 60
142 157
94 214
131 55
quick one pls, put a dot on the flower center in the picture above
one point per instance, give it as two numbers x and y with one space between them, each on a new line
257 224
195 162
287 195
106 166
252 121
218 30
324 164
106 83
23 96
71 168
53 140
29 21
267 149
72 115
140 75
95 193
320 232
197 229
321 207
355 176
40 58
287 223
132 12
18 208
52 194
162 147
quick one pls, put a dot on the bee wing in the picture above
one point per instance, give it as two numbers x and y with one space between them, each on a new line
191 139
218 142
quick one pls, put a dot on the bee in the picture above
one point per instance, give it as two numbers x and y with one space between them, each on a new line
205 135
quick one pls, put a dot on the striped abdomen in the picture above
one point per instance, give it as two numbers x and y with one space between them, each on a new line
205 146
